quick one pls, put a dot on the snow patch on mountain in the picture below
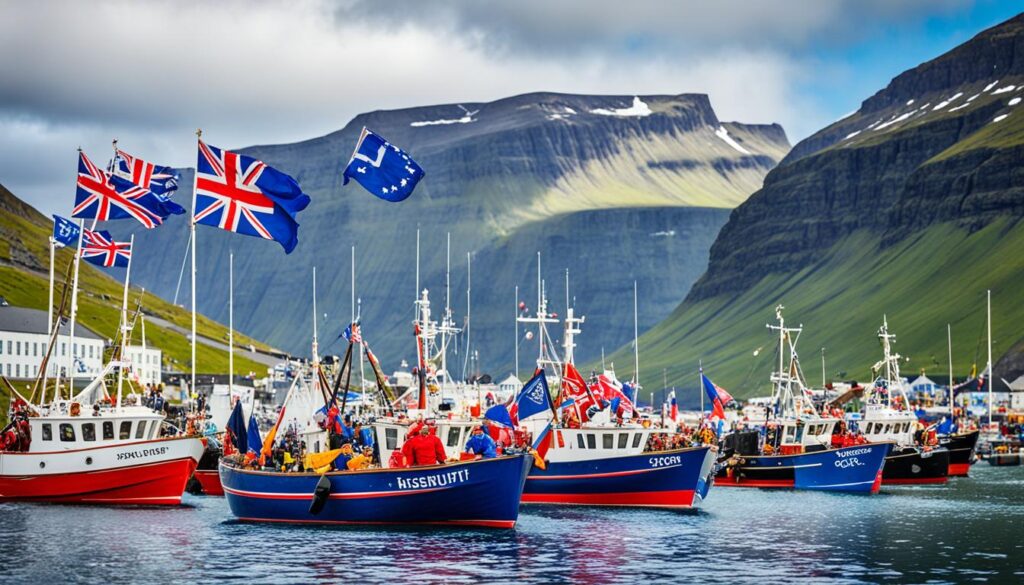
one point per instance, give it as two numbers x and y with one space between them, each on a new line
446 121
1006 89
724 135
639 109
990 86
1000 118
945 103
1014 101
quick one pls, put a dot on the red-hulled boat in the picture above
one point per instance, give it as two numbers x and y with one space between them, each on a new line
109 456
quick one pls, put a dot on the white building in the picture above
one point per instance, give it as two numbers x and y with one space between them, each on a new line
145 364
23 341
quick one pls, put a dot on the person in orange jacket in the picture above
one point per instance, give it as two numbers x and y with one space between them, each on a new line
424 449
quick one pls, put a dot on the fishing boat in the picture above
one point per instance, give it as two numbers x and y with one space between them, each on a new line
961 447
112 455
484 493
795 448
1005 452
914 459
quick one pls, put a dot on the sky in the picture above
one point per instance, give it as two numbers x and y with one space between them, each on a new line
78 74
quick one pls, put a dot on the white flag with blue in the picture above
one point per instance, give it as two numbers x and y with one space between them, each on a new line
382 168
65 231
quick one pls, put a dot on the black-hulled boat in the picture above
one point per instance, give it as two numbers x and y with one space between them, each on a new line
961 447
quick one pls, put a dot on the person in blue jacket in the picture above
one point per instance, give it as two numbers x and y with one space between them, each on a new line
481 444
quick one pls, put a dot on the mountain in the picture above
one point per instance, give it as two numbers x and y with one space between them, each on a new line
911 207
24 282
614 188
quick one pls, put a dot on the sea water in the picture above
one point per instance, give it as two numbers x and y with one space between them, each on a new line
969 530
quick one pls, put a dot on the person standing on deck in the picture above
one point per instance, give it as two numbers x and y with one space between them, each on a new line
481 445
424 449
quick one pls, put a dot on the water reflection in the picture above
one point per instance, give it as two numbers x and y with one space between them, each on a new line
968 530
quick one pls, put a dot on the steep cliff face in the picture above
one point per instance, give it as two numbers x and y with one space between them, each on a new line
550 172
929 169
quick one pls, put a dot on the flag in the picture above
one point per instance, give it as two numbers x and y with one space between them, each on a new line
240 194
674 409
612 391
236 428
630 391
161 181
99 248
499 415
352 333
252 439
382 168
541 445
268 442
106 197
712 392
65 231
534 398
946 426
574 387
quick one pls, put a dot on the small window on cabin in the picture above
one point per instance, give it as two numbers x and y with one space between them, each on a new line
154 430
125 432
607 440
391 439
108 430
623 440
453 436
636 439
47 432
67 432
579 441
89 432
591 441
791 432
140 431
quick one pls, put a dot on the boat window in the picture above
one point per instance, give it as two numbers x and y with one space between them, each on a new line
108 430
906 427
67 432
607 440
89 432
140 431
391 438
154 430
579 440
125 432
790 432
623 440
47 432
636 439
453 436
591 441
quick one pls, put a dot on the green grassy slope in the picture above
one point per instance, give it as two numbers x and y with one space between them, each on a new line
936 276
24 258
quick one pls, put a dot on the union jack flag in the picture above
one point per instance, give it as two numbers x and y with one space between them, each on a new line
99 248
105 197
161 181
243 195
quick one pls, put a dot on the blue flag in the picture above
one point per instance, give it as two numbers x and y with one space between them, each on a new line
236 426
534 398
498 414
382 168
65 231
253 440
240 194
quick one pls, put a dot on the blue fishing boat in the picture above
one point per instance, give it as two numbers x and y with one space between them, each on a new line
483 493
674 479
797 447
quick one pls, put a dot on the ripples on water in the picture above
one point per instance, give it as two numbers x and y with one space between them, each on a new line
970 530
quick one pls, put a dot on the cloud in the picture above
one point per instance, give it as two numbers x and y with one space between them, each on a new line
149 73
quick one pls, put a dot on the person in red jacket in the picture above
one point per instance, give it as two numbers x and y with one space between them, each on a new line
424 449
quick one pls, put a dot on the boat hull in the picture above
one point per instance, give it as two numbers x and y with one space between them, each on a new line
150 473
849 469
961 449
912 466
670 479
207 473
1004 459
471 493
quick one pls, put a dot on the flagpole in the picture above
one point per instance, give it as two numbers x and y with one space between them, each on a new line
74 313
700 386
316 356
469 288
49 312
192 234
231 321
124 322
636 340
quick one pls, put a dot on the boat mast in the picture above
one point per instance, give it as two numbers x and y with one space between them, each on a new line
516 344
124 324
949 346
49 314
231 321
636 339
572 323
192 234
469 290
988 312
316 346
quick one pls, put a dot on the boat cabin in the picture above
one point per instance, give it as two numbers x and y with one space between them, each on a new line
64 432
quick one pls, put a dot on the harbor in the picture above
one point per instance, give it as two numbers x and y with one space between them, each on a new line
542 337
